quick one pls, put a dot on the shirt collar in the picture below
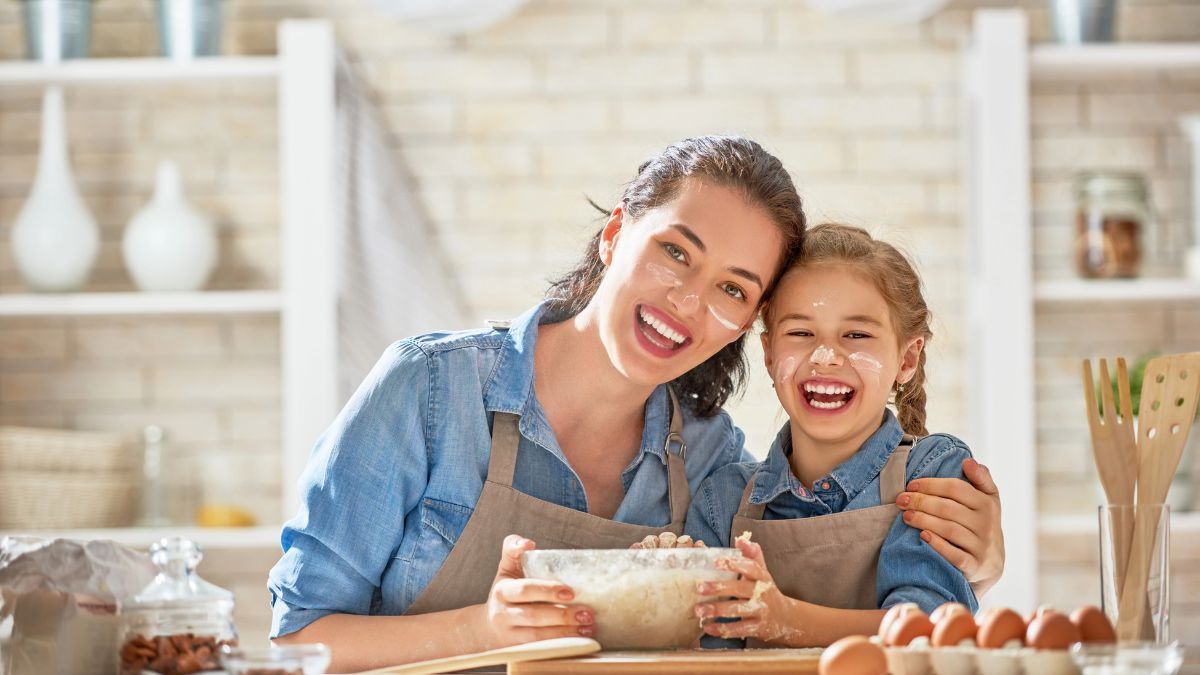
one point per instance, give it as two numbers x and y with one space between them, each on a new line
511 382
774 476
510 389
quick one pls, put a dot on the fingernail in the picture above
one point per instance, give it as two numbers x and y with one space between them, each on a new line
565 594
908 516
583 616
911 487
587 631
903 500
926 537
703 610
703 588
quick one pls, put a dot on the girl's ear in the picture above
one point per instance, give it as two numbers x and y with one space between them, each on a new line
910 358
765 338
611 233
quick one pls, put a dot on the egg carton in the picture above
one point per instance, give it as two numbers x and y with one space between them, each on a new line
921 659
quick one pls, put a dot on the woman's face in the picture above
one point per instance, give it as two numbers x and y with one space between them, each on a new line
683 281
833 353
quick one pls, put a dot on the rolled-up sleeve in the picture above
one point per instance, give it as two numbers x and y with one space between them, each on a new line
909 569
367 472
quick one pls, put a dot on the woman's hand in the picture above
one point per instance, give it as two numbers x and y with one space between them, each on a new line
765 612
960 522
523 610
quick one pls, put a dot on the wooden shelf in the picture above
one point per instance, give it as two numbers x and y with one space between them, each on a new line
1052 62
136 71
210 538
1124 290
117 304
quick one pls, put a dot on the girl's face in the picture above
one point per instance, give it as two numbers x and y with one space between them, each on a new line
683 281
833 354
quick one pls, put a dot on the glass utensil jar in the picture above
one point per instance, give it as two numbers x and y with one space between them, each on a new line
177 624
1112 212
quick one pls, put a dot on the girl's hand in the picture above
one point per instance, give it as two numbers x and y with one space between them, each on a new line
960 522
765 612
522 610
668 540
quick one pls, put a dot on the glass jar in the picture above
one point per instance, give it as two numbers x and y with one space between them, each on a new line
179 622
310 659
1112 212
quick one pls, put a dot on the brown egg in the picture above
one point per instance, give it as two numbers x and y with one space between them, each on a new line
854 655
946 608
1051 630
908 627
1093 625
998 625
954 627
892 614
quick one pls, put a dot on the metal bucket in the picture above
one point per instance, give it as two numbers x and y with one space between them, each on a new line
189 28
57 29
1080 21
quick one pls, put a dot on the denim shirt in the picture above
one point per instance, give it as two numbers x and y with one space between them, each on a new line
390 485
908 571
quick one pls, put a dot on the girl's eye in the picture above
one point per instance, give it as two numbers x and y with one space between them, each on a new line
675 252
856 335
733 291
800 332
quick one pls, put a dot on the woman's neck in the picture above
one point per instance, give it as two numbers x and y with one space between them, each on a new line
577 385
813 459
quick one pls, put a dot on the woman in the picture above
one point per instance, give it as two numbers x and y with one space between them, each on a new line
560 428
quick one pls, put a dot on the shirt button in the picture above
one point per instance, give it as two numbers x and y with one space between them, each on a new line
825 485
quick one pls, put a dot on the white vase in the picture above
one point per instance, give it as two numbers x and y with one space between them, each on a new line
55 239
169 246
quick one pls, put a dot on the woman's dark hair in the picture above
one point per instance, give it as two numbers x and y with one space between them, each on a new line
727 161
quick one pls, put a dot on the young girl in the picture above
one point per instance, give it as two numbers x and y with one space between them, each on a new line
830 551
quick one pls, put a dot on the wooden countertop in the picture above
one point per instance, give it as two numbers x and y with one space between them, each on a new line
698 662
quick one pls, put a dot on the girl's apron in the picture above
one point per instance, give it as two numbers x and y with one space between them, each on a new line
828 560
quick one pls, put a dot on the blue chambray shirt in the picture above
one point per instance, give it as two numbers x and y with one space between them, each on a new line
909 570
390 485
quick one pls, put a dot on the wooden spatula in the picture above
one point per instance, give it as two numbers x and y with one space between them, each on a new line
1114 448
558 648
1169 394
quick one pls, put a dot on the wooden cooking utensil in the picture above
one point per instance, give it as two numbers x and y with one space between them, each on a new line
1168 405
1114 447
557 648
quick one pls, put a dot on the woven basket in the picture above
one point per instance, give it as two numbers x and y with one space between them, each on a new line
33 449
55 499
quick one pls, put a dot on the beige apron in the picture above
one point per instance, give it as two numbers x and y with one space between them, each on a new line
829 560
466 576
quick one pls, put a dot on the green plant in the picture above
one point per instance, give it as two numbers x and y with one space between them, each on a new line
1137 372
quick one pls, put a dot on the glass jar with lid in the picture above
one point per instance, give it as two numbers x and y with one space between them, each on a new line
179 622
1112 213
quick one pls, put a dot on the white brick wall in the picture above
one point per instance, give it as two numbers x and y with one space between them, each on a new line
505 132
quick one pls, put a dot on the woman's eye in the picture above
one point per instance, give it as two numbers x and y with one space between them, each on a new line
733 291
675 252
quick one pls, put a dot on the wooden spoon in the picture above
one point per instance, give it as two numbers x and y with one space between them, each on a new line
1169 394
557 648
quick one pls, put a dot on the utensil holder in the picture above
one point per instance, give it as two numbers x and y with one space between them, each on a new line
1146 563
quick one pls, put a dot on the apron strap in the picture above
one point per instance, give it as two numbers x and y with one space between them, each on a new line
892 479
678 492
506 436
745 508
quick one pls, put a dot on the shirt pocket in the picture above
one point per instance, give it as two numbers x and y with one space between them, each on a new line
441 525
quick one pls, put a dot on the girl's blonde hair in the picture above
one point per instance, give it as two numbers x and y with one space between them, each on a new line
896 280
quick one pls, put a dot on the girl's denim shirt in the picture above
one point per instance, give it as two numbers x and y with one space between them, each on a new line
390 485
908 571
